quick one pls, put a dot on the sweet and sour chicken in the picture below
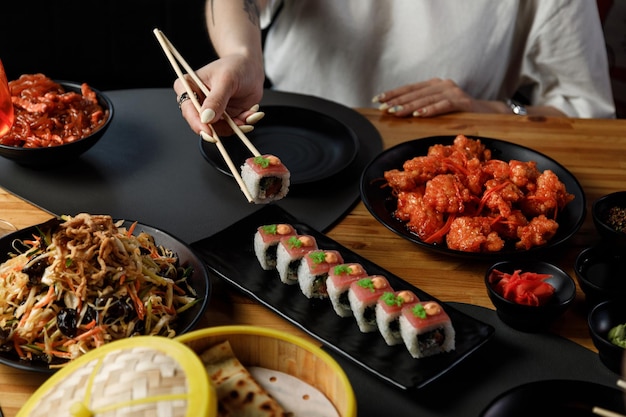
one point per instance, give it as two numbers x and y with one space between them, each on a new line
459 196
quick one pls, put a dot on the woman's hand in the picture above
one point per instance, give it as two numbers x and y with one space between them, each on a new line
425 99
433 98
436 97
235 86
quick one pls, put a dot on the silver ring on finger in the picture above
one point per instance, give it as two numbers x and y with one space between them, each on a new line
184 97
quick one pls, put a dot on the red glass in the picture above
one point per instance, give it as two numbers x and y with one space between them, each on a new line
6 106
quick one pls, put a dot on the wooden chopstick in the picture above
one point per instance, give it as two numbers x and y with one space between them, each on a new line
608 413
605 413
170 51
206 92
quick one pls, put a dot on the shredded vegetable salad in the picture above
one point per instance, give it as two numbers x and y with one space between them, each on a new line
87 282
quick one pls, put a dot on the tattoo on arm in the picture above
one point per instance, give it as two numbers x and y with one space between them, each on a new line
249 6
252 9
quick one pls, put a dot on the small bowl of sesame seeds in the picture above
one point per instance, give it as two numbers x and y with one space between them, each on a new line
609 217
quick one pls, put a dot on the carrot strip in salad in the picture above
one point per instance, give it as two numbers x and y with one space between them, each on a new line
18 348
131 229
87 334
132 291
47 299
90 325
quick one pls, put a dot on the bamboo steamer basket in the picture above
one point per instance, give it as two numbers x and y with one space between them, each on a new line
280 351
139 376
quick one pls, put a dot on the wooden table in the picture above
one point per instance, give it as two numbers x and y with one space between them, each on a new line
593 150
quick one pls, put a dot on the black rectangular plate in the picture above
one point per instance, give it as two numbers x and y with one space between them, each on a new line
230 254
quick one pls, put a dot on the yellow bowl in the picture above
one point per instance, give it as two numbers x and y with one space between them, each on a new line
282 352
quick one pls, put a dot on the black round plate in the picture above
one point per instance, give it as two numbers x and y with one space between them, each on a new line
187 320
381 203
312 145
570 398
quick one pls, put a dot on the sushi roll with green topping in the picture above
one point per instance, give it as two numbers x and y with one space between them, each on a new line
266 178
289 254
313 272
363 295
338 283
266 241
388 310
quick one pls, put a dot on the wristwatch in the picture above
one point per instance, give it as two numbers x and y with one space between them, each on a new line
517 107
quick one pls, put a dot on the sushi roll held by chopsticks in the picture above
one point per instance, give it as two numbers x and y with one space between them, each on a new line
263 178
266 178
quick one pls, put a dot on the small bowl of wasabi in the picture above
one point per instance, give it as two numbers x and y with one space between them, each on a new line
607 328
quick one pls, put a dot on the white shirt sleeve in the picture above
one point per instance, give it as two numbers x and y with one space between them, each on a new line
267 13
565 61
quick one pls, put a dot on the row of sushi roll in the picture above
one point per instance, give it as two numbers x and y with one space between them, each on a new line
400 316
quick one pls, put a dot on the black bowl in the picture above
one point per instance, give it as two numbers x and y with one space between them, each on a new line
601 319
601 274
555 397
382 204
532 318
186 321
54 155
612 237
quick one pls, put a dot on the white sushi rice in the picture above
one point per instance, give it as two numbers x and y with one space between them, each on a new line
310 283
414 339
336 295
287 266
388 325
364 313
265 252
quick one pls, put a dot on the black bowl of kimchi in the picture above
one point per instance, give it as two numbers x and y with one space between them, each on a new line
107 305
56 129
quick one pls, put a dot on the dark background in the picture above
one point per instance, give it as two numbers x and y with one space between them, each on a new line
108 44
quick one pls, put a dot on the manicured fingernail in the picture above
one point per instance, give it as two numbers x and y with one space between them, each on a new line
419 112
254 108
395 109
383 107
378 98
207 115
253 118
206 137
246 128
